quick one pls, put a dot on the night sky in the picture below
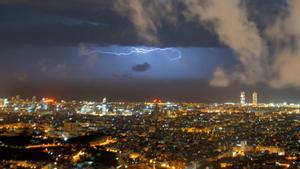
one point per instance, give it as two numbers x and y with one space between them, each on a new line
137 50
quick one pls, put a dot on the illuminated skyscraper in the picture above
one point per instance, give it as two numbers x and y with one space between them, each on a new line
6 102
33 99
18 97
1 103
243 98
104 100
254 99
104 106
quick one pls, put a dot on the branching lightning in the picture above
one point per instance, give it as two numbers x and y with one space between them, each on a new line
139 51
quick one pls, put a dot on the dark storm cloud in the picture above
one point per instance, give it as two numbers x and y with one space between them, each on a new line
263 35
113 22
141 67
23 25
110 22
91 22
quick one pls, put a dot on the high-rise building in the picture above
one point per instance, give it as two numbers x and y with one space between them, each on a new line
1 102
6 102
254 99
18 97
33 99
243 98
104 106
104 100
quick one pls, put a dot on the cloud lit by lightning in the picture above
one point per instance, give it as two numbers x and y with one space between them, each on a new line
177 54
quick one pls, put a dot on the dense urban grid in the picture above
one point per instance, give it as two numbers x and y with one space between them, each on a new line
45 133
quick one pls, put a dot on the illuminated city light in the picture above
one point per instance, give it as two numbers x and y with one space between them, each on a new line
136 125
47 100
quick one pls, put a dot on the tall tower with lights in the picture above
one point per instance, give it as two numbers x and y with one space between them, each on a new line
104 106
254 99
1 102
243 99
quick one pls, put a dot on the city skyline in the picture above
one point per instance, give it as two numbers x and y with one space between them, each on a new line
78 134
244 100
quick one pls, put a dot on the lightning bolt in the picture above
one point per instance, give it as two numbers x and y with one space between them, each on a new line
139 51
